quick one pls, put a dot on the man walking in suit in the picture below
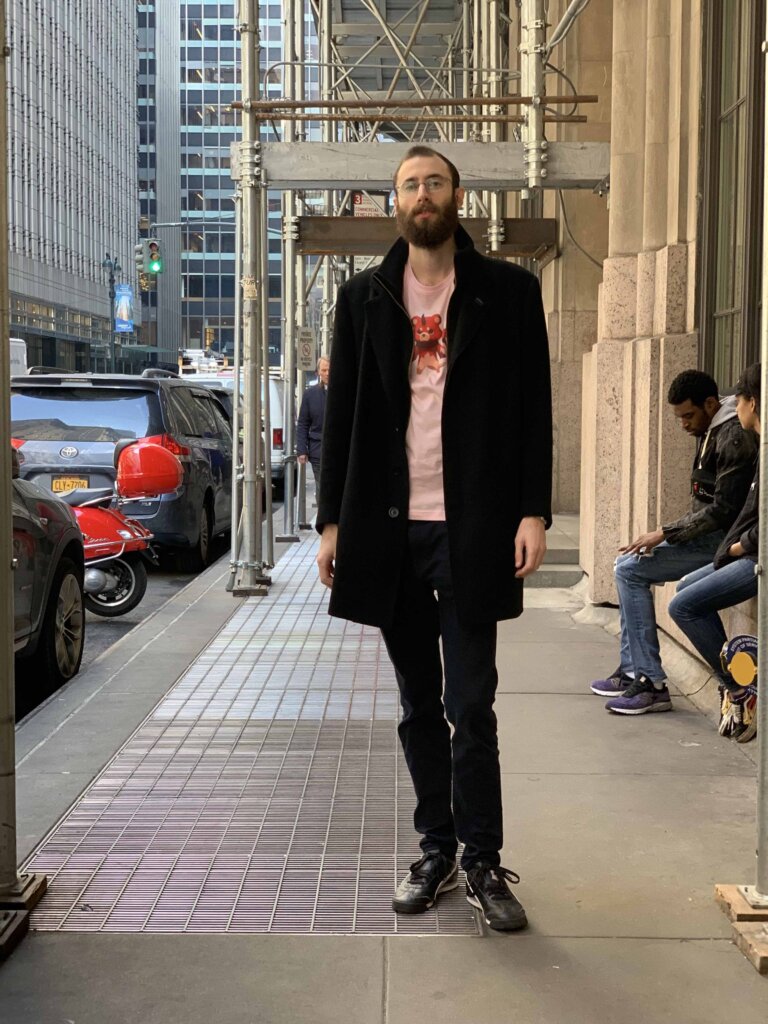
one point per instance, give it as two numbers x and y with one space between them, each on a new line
309 428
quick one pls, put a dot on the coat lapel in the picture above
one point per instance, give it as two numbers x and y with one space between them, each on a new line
392 342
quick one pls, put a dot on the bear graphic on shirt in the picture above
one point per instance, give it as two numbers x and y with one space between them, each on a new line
428 342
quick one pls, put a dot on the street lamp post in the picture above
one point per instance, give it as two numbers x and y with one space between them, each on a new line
112 266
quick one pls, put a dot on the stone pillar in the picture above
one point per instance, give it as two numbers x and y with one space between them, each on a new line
656 125
628 127
570 283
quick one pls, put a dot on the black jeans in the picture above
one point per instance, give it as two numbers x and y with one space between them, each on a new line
456 778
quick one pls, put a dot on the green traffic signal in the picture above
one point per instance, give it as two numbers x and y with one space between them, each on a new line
155 257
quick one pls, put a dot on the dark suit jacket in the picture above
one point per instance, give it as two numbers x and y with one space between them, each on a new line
309 427
497 434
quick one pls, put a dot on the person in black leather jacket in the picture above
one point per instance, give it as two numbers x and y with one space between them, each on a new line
720 478
731 576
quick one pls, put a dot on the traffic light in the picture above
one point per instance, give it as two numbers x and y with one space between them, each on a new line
155 264
138 257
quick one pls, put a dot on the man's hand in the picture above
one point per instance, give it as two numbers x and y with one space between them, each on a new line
530 546
326 556
736 550
646 541
301 459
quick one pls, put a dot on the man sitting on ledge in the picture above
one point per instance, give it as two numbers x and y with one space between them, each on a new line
721 475
729 579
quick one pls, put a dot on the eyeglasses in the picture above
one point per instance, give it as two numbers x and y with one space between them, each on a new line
432 184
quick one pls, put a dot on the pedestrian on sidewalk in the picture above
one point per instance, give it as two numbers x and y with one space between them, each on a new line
434 498
720 478
309 427
729 579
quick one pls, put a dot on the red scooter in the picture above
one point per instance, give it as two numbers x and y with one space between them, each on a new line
116 546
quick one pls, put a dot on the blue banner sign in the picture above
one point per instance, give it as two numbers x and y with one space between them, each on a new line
123 308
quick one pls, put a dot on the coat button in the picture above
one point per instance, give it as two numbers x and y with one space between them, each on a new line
394 512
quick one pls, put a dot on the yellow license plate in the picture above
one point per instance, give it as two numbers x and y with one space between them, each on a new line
63 484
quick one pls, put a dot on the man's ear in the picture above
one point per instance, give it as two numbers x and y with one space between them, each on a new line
711 405
459 196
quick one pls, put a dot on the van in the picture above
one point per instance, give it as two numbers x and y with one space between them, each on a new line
225 379
18 355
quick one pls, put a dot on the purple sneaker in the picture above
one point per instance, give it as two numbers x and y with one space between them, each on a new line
640 697
613 686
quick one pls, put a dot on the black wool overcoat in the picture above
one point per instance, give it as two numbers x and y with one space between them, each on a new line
496 426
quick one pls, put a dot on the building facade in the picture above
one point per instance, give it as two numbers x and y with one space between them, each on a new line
159 175
680 284
72 173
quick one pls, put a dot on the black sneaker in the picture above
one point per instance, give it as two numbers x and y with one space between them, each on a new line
426 879
487 890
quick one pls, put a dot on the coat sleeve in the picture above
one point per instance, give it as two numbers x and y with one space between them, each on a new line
536 396
339 414
302 426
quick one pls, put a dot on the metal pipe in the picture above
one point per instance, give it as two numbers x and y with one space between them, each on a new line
533 25
251 578
436 118
275 106
761 886
236 400
466 82
8 877
290 295
264 388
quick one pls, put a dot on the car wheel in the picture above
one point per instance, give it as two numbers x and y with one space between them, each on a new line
196 558
130 588
60 647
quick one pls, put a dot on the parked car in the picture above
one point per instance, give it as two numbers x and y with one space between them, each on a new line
48 612
225 381
67 426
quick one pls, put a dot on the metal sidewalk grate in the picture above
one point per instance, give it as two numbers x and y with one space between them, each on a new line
265 793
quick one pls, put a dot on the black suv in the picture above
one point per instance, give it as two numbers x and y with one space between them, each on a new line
65 427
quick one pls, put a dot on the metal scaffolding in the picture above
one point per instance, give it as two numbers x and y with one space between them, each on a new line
390 74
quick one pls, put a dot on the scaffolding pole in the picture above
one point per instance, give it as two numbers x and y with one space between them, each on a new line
757 894
251 577
532 50
18 892
290 291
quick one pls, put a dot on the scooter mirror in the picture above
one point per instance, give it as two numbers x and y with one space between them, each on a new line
145 468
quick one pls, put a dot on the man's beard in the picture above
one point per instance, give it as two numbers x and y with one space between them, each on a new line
429 234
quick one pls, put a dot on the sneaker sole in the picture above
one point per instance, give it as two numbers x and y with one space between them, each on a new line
667 706
452 882
606 692
511 926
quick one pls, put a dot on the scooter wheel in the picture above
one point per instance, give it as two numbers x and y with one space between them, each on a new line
131 586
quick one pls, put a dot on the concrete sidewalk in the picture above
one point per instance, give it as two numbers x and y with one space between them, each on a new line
619 827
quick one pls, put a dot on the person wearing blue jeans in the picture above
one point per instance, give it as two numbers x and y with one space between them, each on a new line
730 578
720 478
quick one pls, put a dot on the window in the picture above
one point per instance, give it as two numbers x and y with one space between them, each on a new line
731 235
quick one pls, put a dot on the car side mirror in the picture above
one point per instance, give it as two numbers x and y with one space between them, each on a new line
15 464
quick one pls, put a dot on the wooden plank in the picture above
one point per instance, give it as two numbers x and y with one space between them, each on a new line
373 236
752 939
490 165
733 903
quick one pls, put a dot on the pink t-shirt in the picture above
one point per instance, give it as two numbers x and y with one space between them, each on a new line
427 307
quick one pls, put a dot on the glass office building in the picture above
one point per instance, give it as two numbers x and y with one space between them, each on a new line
159 173
71 149
210 81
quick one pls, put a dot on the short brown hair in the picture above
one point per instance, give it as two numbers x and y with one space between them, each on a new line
428 151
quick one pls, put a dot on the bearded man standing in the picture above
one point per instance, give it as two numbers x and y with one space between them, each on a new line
434 498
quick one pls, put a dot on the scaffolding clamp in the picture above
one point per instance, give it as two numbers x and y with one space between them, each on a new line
249 163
